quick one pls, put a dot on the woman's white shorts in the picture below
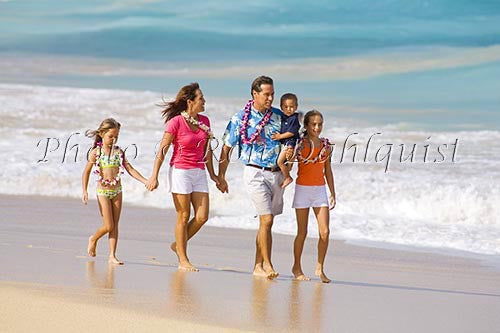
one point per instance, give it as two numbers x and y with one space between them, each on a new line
310 196
186 181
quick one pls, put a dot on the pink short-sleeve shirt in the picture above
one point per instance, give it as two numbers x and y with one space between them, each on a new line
189 152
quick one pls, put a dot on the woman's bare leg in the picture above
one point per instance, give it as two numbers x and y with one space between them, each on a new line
302 215
200 204
182 204
323 218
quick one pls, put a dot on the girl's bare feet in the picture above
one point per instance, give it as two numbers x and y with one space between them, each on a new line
91 247
186 266
298 274
114 260
319 273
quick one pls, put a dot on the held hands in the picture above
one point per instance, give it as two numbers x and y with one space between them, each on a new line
85 197
151 184
215 179
332 202
222 185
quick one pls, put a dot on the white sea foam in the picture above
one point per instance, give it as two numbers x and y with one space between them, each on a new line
446 205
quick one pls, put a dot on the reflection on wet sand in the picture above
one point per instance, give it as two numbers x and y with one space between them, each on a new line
294 304
183 299
298 309
317 307
260 301
101 281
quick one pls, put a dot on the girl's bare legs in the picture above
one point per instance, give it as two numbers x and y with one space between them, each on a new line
116 205
302 215
200 204
182 206
106 210
323 218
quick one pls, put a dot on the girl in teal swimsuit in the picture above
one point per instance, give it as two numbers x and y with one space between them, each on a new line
109 161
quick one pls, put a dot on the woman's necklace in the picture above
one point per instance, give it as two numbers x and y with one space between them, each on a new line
195 122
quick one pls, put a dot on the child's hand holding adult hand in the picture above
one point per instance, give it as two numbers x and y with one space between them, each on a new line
152 184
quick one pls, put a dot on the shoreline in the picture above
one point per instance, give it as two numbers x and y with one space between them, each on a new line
43 245
491 260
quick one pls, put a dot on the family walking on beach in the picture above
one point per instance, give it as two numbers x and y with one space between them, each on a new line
267 141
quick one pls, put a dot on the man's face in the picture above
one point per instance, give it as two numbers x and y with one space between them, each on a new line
264 99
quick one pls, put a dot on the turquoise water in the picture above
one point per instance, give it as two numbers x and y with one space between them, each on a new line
406 76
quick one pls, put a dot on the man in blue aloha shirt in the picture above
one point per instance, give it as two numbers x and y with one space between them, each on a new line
249 134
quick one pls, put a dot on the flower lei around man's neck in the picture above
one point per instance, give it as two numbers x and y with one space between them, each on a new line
258 128
322 155
200 125
113 181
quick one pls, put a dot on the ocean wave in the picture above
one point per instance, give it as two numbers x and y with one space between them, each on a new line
451 205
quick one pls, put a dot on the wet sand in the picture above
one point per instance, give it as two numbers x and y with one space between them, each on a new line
47 277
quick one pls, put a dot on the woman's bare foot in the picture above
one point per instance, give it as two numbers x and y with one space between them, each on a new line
319 273
186 266
299 275
287 182
114 260
91 247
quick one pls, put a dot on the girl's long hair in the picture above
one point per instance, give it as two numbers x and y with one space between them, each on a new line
307 117
178 105
106 125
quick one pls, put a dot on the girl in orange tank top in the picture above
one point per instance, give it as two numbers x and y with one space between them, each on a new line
313 155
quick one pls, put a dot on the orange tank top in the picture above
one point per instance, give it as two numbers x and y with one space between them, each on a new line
311 174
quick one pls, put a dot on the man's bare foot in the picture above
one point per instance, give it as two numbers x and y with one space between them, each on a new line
91 247
319 273
186 266
259 271
270 272
287 182
299 275
115 261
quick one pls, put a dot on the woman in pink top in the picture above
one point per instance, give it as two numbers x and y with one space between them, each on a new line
189 131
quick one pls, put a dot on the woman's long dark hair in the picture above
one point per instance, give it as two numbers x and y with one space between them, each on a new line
178 105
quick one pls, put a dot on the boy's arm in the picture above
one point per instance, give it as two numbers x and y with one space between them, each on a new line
281 136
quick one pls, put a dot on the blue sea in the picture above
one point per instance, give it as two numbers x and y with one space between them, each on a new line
418 72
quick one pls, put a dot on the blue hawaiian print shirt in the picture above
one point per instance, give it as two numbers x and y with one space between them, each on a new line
264 151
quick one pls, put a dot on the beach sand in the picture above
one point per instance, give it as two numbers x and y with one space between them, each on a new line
49 283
